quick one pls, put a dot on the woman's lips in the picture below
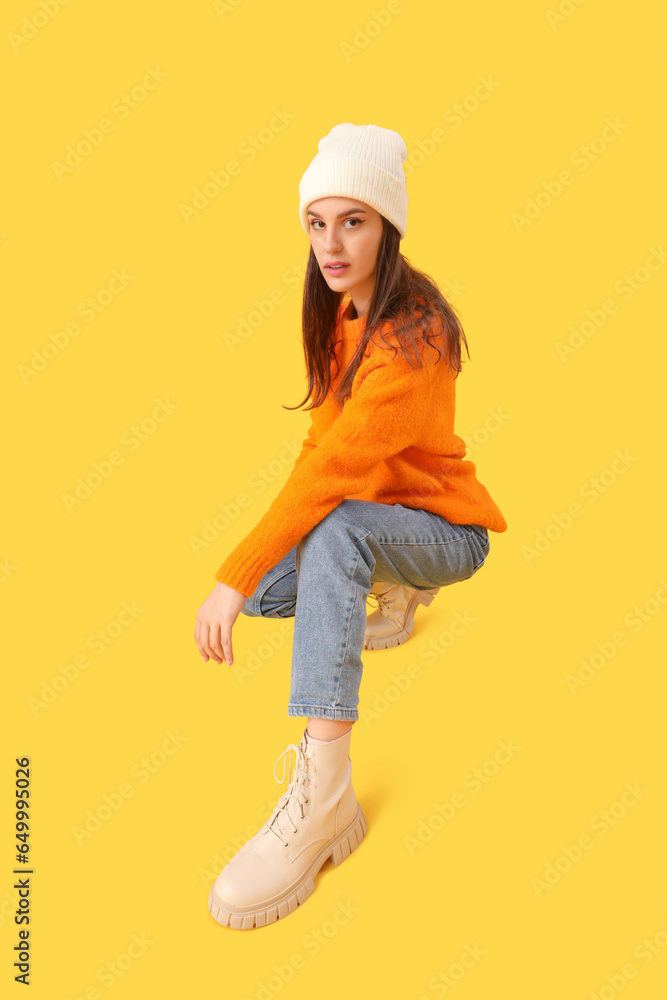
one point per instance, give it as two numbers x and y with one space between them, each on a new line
338 269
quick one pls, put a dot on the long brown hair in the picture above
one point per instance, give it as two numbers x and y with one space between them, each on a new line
400 292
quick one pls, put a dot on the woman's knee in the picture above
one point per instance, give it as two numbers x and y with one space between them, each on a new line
276 599
275 594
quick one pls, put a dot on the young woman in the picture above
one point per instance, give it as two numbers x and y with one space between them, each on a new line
380 499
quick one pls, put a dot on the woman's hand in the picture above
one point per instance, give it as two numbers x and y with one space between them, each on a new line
215 617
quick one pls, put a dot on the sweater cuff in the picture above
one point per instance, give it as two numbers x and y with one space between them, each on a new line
242 571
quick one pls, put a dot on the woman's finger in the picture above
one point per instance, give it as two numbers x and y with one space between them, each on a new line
204 643
214 645
201 638
226 639
215 619
198 630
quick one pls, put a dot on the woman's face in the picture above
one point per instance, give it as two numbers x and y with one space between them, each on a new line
349 231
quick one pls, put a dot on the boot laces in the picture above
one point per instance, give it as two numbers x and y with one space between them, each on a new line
294 798
384 603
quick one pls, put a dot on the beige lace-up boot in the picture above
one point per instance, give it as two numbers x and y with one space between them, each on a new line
318 817
393 621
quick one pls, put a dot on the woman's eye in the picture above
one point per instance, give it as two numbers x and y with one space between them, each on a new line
314 222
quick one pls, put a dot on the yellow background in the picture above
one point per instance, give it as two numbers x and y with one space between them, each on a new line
220 75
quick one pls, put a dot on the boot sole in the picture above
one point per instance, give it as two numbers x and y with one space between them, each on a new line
389 641
246 917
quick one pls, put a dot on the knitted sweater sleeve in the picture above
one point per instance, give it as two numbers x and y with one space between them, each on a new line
385 413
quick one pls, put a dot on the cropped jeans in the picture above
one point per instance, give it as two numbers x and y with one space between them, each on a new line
325 579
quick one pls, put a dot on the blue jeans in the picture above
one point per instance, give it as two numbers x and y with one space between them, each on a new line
324 581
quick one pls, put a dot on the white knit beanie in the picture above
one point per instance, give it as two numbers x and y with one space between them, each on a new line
359 161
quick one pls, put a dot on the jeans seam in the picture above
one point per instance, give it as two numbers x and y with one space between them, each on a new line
448 541
347 633
351 714
359 534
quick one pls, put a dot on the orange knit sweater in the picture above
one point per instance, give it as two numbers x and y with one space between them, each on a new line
392 442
